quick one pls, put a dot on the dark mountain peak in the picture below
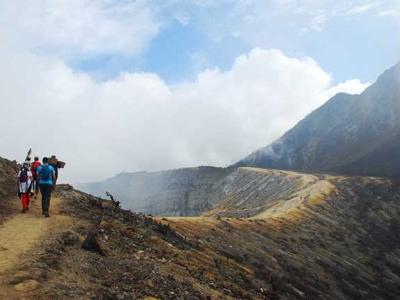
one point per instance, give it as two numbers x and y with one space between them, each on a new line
391 73
387 81
352 134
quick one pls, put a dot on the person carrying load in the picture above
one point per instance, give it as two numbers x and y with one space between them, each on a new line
56 164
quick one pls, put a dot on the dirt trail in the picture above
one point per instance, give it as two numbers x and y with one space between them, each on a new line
21 236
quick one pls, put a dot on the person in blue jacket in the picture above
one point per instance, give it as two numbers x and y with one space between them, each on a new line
46 175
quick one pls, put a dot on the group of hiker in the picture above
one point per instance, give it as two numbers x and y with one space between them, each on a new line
38 176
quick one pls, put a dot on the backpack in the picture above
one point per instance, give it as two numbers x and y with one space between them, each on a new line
45 173
23 176
34 166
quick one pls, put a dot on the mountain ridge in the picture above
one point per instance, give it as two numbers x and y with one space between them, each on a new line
339 136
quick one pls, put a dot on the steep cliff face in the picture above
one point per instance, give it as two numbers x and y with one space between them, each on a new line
181 192
350 134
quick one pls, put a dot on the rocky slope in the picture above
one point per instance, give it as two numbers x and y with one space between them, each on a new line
308 237
8 177
350 134
253 192
339 245
8 186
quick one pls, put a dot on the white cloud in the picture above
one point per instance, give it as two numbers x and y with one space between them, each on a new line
262 21
138 122
352 87
74 28
360 9
390 12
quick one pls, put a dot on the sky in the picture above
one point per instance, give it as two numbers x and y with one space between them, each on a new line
114 86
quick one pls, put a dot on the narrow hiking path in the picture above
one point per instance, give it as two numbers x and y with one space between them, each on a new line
21 237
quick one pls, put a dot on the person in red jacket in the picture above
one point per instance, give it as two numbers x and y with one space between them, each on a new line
36 163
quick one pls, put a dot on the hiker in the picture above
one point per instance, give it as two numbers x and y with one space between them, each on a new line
36 163
24 186
47 176
53 161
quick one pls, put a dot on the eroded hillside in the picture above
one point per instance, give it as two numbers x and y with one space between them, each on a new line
8 186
